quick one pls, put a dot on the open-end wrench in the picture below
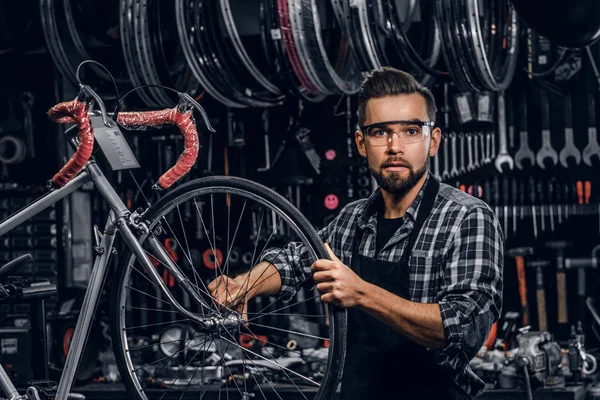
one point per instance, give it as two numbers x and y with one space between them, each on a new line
484 158
493 145
454 169
546 151
592 147
476 150
503 157
569 150
436 166
487 148
461 150
470 166
524 152
446 171
510 118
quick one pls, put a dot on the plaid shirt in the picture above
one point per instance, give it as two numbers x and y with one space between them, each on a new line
456 262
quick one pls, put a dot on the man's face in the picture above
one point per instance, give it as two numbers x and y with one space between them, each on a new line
398 167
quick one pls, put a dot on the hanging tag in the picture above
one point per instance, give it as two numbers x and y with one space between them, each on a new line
484 107
113 145
464 107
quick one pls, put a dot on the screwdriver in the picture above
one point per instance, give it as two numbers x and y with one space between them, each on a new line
532 199
558 193
551 203
505 194
540 190
496 195
522 197
514 204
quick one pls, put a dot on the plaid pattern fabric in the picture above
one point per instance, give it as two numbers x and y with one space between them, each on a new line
457 262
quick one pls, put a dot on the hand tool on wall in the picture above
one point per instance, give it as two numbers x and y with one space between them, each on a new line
454 169
496 195
522 197
524 152
540 292
592 148
510 120
519 253
505 194
503 157
540 190
546 151
476 149
436 166
582 265
484 155
550 186
461 151
569 150
486 148
531 184
470 165
513 187
559 200
559 247
446 171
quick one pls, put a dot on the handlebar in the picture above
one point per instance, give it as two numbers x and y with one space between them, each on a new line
77 112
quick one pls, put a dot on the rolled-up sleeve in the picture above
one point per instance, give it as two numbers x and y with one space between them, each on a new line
293 262
470 298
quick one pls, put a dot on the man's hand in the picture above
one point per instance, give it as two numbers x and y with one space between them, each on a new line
231 293
336 282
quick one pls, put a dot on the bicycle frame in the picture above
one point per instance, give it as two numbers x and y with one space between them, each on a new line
120 219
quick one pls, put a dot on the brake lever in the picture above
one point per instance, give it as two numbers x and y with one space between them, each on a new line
186 100
89 92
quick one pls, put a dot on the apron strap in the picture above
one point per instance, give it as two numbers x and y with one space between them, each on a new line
425 208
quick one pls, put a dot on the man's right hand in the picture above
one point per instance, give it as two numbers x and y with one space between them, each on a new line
231 293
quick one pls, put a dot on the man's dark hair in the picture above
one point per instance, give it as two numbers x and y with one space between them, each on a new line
388 81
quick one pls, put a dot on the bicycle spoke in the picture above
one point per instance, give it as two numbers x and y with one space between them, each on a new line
288 331
157 324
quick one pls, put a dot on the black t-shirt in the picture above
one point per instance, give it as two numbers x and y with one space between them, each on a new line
386 227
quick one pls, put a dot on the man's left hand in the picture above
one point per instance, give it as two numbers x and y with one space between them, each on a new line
336 282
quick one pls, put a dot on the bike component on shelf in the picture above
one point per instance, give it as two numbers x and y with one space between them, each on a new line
546 151
569 150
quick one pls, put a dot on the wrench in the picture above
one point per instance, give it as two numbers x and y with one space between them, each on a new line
454 170
436 166
445 172
487 148
511 123
524 152
27 103
470 166
484 158
569 150
476 150
503 157
461 147
592 147
493 145
546 151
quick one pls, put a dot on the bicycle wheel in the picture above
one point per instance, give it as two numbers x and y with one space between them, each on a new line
287 348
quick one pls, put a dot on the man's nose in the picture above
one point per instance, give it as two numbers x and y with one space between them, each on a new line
395 144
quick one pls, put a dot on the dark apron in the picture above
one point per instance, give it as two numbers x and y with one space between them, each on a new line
380 362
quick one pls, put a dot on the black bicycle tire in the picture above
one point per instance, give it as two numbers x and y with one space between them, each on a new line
337 315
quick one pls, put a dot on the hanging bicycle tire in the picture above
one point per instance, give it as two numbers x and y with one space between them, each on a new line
284 347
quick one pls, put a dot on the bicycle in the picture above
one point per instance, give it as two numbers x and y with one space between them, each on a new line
283 348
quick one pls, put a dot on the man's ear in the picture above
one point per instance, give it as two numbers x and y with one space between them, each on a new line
360 143
436 139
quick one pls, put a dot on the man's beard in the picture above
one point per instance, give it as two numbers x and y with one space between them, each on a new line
395 184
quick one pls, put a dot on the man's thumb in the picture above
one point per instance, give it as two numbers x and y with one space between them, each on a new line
330 252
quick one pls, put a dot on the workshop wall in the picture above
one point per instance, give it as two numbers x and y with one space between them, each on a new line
293 131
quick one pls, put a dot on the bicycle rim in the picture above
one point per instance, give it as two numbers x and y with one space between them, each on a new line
287 349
